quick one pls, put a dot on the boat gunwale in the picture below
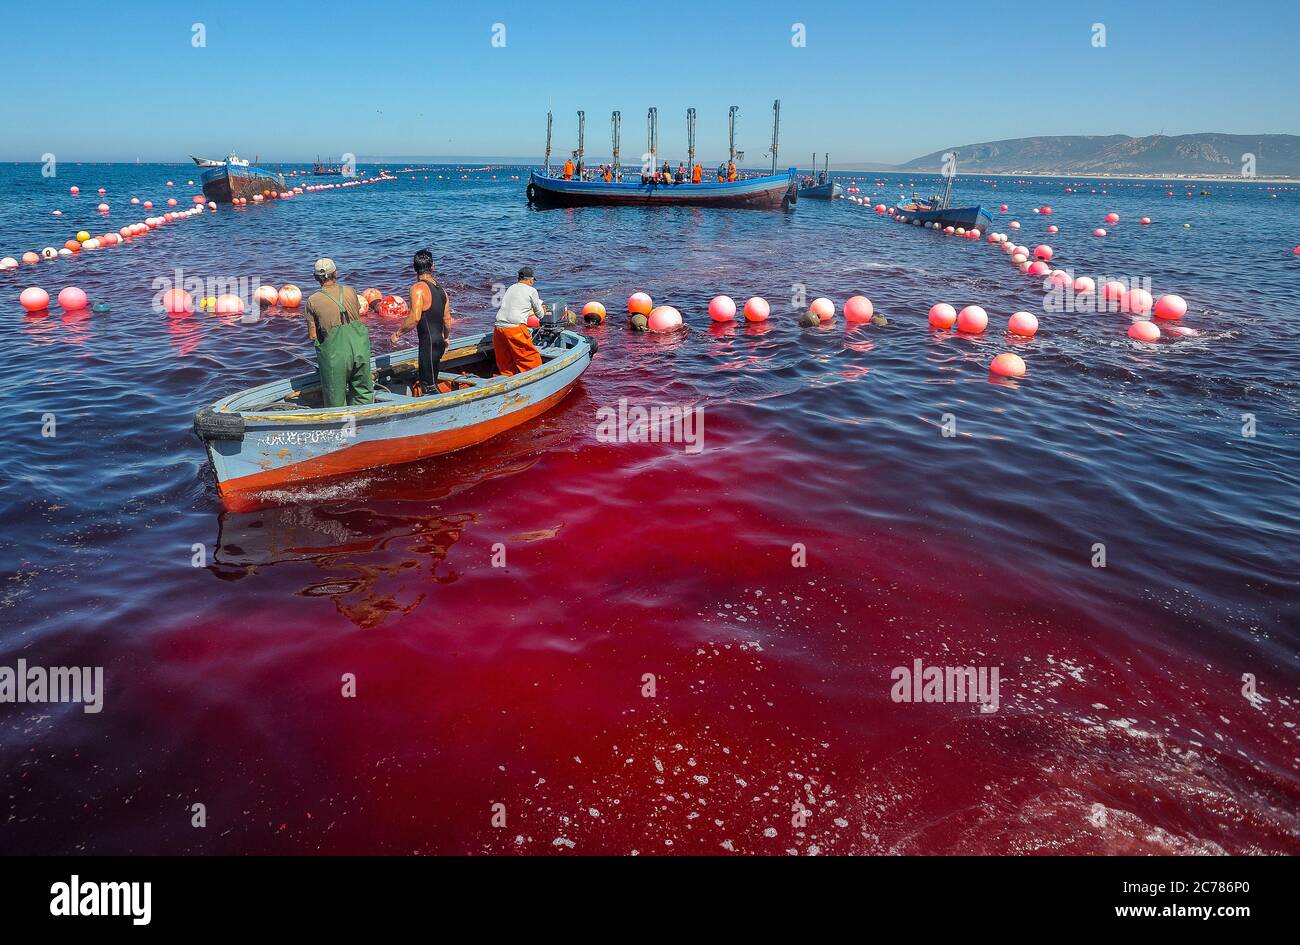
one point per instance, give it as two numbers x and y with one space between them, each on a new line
504 385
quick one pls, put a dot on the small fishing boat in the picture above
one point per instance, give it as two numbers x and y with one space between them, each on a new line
825 188
266 438
776 191
235 177
939 209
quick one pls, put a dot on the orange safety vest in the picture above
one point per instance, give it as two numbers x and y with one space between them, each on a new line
697 174
609 175
731 172
568 170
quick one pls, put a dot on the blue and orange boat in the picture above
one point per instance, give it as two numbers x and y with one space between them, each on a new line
266 438
772 192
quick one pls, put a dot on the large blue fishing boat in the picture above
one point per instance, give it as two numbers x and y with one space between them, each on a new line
776 191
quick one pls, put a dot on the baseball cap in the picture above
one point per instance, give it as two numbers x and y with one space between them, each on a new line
526 272
325 268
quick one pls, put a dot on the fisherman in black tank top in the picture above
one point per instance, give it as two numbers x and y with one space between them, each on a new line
431 317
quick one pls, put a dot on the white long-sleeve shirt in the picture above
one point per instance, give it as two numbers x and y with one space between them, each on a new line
520 301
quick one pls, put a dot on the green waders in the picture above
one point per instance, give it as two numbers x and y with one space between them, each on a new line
343 359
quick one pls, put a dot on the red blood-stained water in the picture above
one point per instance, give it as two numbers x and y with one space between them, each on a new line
766 586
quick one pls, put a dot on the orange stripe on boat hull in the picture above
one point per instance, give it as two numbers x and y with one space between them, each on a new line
240 495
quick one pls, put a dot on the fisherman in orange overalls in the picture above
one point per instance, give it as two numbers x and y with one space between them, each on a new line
512 342
568 169
697 175
731 170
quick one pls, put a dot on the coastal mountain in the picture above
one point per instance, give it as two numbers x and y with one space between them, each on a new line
1196 154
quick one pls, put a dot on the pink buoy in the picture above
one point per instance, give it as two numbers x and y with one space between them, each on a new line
664 318
267 296
1004 208
177 302
942 316
824 309
171 201
290 296
1144 331
638 303
972 320
1182 331
34 299
1145 221
534 321
757 309
198 199
31 258
1015 224
135 200
1099 232
722 308
1112 217
1113 291
102 190
1039 268
1024 324
229 305
72 299
103 208
1053 229
1136 302
1008 365
1084 286
1043 252
1171 307
148 204
858 308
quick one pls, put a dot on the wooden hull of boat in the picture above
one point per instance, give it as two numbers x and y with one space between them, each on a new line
777 192
222 184
282 448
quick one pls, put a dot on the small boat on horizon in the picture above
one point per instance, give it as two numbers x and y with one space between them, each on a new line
277 435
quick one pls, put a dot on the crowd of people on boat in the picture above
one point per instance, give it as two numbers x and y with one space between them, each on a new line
664 175
342 340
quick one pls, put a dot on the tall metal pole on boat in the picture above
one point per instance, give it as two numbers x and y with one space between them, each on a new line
548 144
776 130
690 140
652 137
731 132
615 120
582 130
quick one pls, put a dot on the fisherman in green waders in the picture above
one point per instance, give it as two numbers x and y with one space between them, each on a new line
342 340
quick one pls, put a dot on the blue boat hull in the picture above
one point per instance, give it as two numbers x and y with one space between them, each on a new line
969 218
779 191
260 441
827 191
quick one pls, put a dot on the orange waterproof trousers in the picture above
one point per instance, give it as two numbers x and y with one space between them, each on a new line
515 350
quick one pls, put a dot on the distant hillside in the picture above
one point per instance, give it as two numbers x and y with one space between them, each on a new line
1199 154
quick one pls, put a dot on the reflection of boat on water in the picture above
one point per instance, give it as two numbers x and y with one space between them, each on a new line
278 434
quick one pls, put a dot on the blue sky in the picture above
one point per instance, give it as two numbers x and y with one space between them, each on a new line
289 80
